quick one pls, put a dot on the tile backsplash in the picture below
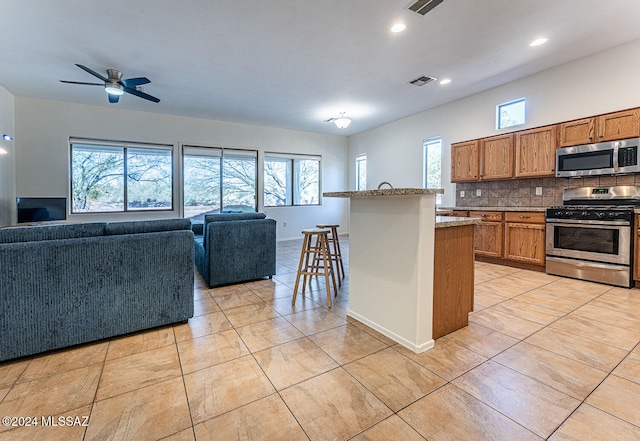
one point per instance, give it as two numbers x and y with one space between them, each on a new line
522 192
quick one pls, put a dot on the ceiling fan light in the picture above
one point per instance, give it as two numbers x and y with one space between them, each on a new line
342 122
114 89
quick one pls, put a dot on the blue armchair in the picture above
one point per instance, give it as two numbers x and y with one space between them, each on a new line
235 247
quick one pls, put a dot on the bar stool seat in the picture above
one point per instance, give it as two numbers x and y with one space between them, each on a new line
336 253
315 260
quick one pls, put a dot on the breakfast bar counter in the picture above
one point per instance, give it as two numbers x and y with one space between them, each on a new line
392 238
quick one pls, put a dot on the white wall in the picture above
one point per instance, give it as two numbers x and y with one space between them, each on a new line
601 83
7 162
42 161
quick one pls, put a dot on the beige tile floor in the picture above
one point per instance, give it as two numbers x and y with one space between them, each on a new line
542 358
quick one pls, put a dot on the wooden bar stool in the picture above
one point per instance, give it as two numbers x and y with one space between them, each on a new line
336 253
315 260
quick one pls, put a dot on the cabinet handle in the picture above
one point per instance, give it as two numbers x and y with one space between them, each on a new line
524 217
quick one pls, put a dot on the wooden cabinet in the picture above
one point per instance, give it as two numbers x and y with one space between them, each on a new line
496 157
619 125
581 131
453 277
535 152
465 163
488 234
524 237
608 127
460 213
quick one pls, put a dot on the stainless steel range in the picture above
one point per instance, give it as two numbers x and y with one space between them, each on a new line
590 236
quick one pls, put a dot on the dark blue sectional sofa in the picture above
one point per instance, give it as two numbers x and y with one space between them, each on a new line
235 247
62 285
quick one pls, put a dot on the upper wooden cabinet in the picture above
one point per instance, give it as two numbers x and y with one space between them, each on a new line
619 125
465 161
496 157
535 152
609 127
582 131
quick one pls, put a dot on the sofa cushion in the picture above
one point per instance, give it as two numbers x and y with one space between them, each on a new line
197 228
225 217
151 226
51 232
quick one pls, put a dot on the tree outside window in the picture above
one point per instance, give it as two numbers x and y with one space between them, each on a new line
117 178
291 180
218 179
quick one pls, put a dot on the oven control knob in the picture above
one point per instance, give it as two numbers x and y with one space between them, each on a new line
600 214
584 214
611 214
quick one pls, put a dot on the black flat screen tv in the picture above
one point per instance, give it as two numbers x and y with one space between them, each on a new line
41 209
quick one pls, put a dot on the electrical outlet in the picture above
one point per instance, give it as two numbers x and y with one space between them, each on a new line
478 192
284 224
461 193
538 191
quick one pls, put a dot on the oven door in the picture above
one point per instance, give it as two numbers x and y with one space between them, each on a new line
608 242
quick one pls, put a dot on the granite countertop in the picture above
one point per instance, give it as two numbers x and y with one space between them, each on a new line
383 192
539 209
453 221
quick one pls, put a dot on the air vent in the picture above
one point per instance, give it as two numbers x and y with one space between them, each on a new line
424 6
421 81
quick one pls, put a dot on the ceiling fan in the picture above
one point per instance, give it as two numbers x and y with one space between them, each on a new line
115 86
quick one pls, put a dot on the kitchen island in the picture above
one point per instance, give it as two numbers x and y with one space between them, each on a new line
392 240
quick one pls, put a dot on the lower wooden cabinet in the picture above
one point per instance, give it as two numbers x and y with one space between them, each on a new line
488 234
513 236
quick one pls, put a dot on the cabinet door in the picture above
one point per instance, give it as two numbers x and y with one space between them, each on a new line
496 157
619 125
464 161
582 131
525 243
488 239
536 152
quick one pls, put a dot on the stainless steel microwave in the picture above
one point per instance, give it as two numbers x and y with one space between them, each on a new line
605 158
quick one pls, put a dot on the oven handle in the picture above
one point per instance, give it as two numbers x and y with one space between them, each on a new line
588 222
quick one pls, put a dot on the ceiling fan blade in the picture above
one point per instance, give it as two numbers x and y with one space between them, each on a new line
81 82
113 98
146 96
133 82
92 72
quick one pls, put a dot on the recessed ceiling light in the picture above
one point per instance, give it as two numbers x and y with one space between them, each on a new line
538 42
445 81
398 27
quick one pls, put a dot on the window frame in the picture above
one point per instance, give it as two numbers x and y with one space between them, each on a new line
124 145
425 175
294 182
361 158
219 152
508 104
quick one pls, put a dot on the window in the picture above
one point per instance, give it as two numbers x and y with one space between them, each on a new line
117 177
433 165
291 180
217 179
510 114
361 172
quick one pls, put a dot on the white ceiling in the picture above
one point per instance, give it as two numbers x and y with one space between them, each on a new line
295 63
